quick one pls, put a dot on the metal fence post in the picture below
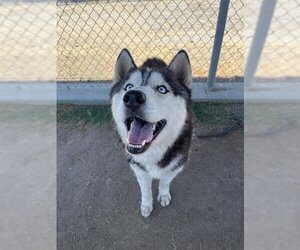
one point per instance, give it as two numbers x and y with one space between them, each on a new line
222 16
259 39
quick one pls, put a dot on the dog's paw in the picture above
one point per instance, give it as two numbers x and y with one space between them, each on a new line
146 210
164 199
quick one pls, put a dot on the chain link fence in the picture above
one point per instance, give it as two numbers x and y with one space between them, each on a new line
90 35
27 40
281 52
44 40
80 40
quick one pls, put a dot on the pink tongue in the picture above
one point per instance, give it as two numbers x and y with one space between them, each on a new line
139 132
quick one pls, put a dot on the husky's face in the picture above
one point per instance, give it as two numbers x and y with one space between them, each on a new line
149 103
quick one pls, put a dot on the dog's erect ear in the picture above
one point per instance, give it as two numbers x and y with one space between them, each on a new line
123 65
181 68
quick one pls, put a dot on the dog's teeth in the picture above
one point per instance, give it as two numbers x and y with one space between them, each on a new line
153 127
144 142
135 145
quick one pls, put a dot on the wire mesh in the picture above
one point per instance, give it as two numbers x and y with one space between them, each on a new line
27 41
278 61
281 52
231 63
90 34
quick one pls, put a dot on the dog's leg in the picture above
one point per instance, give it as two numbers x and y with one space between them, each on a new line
164 196
145 182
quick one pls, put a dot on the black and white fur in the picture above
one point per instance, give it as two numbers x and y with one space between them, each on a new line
169 151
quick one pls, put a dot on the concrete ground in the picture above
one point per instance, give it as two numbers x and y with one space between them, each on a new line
98 197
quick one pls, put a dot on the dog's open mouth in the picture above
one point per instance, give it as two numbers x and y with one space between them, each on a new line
141 133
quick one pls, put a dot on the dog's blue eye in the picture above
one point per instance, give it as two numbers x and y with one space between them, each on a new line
128 86
162 89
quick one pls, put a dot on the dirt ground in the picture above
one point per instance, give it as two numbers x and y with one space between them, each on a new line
98 196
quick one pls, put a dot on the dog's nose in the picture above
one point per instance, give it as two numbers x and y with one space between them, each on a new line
134 99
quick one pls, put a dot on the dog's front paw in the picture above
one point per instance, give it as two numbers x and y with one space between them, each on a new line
146 210
164 199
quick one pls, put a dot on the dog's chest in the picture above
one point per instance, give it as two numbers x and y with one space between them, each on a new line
150 163
153 168
156 172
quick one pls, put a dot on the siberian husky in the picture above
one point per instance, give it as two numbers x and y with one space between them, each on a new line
151 106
